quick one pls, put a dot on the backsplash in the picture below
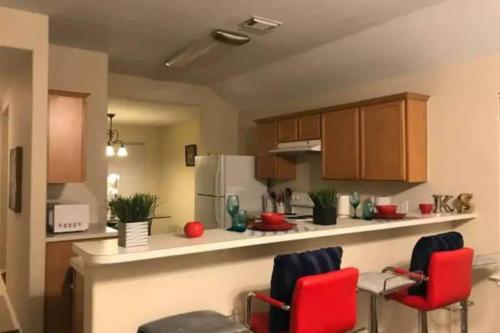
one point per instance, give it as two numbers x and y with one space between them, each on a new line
308 178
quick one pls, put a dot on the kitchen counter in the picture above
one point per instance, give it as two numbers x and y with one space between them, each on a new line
96 230
104 252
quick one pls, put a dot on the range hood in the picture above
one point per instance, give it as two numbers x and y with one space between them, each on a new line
298 147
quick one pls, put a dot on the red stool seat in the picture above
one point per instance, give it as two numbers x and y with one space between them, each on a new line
416 302
449 281
260 322
323 303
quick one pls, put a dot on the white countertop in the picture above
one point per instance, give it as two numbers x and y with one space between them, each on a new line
161 246
96 230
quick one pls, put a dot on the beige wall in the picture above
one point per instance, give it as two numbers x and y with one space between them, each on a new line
177 180
150 136
85 71
462 157
4 186
27 101
463 151
19 101
165 171
218 119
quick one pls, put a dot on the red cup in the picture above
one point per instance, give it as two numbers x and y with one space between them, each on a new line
272 218
387 209
426 208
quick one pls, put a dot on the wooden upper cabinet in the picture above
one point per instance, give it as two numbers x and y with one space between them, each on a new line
383 138
340 144
66 137
266 140
383 141
271 166
394 140
309 127
288 130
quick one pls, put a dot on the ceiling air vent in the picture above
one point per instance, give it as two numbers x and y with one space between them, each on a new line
260 25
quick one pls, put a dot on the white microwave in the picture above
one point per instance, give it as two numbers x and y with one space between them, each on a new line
67 217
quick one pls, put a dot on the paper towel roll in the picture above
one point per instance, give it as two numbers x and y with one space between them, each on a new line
343 205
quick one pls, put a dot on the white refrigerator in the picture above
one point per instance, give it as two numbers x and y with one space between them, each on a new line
216 177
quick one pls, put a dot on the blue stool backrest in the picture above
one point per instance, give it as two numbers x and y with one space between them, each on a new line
423 250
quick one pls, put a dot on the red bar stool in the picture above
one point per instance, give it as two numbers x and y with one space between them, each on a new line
449 280
323 303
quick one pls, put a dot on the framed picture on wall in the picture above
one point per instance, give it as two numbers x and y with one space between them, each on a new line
15 178
190 155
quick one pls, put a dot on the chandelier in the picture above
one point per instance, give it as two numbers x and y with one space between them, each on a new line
115 145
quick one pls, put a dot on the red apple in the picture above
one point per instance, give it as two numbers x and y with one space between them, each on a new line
194 229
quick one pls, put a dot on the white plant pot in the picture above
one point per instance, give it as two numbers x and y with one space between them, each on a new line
133 234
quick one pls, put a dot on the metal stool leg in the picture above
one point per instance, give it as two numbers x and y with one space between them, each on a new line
422 321
373 314
464 309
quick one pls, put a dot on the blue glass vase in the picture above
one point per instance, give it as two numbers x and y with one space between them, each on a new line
368 209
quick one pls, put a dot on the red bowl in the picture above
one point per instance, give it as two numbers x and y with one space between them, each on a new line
426 208
272 218
387 209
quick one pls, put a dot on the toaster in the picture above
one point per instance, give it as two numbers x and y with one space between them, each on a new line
67 217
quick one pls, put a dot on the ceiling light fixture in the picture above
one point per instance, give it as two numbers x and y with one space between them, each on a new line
188 54
230 37
114 141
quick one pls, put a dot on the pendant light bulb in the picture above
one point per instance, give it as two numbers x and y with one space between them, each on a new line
110 151
122 152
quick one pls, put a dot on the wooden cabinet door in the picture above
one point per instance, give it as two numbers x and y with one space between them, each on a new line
78 302
58 305
265 167
66 137
340 144
383 137
288 130
270 166
309 127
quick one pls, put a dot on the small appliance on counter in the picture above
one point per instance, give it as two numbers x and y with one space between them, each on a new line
67 217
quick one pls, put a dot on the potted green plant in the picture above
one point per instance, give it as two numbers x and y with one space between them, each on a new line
325 202
133 213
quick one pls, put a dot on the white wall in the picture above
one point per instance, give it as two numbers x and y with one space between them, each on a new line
85 71
27 101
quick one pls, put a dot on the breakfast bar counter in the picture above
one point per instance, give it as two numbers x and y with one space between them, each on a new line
216 270
104 252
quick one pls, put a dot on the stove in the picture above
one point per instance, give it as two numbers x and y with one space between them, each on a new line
302 208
